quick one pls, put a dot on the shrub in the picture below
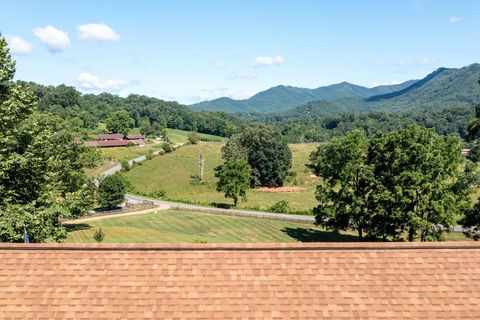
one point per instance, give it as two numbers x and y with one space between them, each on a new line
158 194
125 165
99 235
167 147
150 155
279 207
193 137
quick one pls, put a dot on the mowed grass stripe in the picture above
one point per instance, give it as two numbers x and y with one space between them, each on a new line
176 226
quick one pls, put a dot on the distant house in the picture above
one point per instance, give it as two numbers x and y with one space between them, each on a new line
112 140
134 137
111 136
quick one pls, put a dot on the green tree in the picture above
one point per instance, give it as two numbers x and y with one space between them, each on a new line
265 150
405 181
233 179
471 222
417 173
112 191
345 196
120 122
41 165
193 137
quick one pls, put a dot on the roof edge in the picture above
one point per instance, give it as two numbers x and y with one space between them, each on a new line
316 246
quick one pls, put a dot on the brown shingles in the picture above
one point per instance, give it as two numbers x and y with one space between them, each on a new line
252 281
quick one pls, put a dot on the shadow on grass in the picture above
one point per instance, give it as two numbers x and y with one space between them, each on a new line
312 235
77 227
221 205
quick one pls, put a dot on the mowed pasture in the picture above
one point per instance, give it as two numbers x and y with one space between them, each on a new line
188 227
177 174
177 226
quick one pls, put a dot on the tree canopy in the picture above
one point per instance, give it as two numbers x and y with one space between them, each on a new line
407 181
111 191
120 122
233 179
41 165
265 150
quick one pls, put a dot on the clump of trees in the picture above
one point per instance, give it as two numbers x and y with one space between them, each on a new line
265 150
41 165
407 181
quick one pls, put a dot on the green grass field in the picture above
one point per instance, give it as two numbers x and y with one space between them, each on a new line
177 226
176 174
181 136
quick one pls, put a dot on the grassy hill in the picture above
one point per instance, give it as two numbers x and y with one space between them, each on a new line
281 98
176 173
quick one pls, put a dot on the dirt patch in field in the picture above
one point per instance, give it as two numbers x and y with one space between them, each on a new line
281 189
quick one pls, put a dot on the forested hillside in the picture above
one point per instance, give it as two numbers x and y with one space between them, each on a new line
88 110
442 89
281 98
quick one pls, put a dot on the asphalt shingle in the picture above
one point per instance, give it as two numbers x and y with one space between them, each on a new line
240 281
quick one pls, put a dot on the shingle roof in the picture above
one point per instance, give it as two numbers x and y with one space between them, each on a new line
249 281
110 136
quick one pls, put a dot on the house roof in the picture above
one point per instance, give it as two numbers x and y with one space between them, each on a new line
110 136
249 281
134 137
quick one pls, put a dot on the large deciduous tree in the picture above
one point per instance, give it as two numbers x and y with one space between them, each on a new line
120 122
233 179
41 163
345 196
265 150
112 191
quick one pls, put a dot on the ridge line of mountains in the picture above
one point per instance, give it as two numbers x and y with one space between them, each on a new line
443 88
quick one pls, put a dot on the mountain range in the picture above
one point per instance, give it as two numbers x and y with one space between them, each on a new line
443 88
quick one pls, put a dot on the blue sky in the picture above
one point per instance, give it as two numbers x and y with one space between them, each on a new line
196 50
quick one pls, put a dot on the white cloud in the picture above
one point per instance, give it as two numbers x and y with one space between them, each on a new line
19 46
220 63
235 76
426 62
89 81
56 40
267 60
454 19
97 32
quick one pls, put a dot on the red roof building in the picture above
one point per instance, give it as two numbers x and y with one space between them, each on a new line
110 136
240 281
134 137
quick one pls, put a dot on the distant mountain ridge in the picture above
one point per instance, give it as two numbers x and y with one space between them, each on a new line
441 89
281 98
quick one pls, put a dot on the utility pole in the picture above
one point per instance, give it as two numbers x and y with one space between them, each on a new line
201 164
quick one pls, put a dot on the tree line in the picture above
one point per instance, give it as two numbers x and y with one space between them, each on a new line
88 110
